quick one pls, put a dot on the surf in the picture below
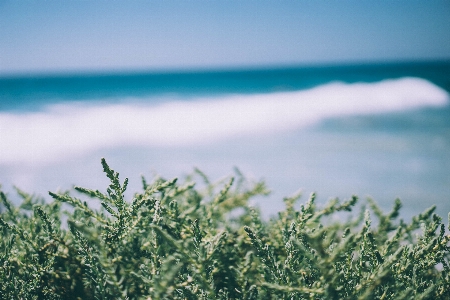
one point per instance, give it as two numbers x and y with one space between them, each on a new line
65 129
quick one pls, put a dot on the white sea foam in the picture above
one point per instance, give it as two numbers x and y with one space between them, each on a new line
61 131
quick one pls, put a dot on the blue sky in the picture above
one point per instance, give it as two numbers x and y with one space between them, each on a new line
88 35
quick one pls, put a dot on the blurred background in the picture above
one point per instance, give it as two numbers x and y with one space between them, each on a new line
334 97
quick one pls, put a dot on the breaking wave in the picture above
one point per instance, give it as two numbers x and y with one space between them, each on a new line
64 130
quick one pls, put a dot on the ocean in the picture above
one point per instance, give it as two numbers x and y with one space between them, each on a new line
375 130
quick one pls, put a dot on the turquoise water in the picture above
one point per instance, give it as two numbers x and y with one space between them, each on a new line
32 92
381 130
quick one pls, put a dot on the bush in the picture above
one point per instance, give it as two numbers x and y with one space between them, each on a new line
176 241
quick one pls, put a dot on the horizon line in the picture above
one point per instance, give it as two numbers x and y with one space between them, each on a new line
215 69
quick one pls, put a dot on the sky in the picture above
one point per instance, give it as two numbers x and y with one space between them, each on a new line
98 35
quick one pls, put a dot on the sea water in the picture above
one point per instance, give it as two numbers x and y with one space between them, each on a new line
380 130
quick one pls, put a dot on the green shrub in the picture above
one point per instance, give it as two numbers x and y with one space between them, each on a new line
177 241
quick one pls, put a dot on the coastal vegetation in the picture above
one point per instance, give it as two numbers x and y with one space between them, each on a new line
177 239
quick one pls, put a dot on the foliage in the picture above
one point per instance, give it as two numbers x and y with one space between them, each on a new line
176 241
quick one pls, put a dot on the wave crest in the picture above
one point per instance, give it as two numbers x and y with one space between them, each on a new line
74 129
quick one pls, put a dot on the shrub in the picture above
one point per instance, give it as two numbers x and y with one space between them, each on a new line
176 241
